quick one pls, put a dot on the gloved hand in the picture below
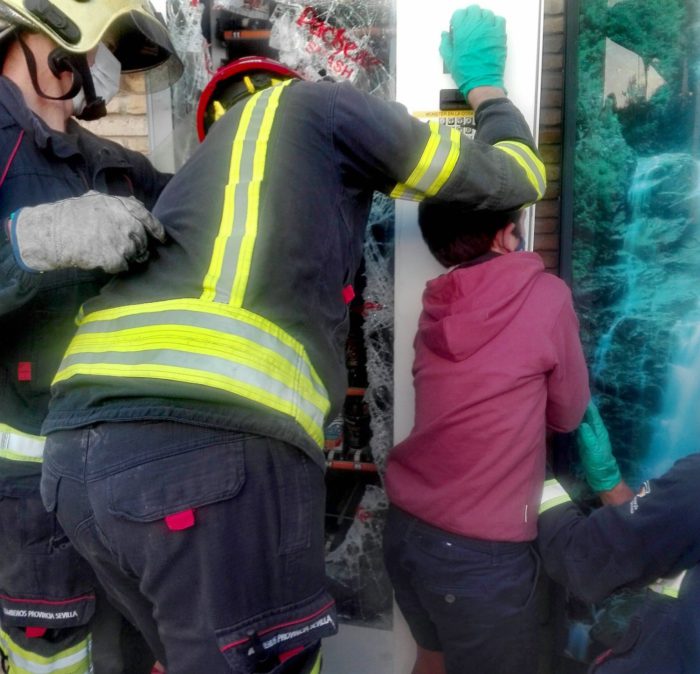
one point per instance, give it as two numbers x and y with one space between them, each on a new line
90 231
475 48
599 464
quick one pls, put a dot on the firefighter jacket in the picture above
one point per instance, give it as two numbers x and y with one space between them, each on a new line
656 535
239 321
37 311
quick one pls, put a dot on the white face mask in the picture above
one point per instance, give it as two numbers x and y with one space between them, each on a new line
105 71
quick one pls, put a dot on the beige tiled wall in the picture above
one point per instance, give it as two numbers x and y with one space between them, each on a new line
127 121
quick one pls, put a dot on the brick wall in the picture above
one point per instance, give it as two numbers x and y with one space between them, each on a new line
550 133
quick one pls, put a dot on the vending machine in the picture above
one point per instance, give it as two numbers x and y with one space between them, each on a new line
390 49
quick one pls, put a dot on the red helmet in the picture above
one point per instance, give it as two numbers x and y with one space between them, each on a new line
235 81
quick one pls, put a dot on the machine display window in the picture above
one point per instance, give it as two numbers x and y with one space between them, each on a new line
632 245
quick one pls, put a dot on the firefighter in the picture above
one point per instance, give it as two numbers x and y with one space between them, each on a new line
60 59
184 454
652 539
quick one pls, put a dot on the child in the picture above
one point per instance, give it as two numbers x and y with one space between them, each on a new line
498 361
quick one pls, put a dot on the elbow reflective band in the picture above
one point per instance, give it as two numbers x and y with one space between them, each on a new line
669 587
553 494
528 160
226 349
73 660
18 446
229 270
434 167
316 667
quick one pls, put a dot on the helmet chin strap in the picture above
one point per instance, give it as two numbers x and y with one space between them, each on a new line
59 61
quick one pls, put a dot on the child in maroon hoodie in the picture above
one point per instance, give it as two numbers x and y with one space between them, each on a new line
497 361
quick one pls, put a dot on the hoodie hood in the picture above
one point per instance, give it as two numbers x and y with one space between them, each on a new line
467 307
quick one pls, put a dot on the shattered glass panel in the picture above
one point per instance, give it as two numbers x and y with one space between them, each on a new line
184 20
341 40
357 579
251 9
379 326
357 505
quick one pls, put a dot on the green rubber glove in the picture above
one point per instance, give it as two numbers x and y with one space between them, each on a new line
474 50
599 464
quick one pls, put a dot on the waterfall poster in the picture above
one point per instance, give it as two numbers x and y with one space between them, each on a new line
636 226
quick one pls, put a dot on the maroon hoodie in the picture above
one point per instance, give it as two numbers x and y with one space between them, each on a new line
497 361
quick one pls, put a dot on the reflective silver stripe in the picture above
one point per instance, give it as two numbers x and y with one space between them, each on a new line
229 267
197 342
439 159
74 660
535 168
670 587
553 494
217 323
435 166
18 446
409 194
197 364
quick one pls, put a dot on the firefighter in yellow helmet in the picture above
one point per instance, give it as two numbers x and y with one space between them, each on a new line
128 29
60 59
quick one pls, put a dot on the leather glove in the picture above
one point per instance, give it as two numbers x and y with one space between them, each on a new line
474 50
90 231
599 464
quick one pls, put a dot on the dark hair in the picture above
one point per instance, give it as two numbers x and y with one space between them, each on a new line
5 45
457 233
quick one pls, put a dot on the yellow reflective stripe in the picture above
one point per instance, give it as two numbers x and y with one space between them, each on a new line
188 376
191 339
448 166
423 164
669 587
245 257
229 269
13 456
408 194
528 160
73 660
18 446
211 308
434 166
316 669
226 222
227 348
553 494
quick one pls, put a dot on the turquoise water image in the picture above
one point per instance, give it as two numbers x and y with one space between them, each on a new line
636 228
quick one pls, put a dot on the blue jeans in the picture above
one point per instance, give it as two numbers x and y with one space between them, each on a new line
210 541
473 600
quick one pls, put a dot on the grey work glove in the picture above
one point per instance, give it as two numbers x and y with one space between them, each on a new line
90 231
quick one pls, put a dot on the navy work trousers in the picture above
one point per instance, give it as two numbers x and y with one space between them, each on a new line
473 600
210 541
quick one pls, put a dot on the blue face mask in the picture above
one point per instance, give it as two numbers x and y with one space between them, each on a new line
521 245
